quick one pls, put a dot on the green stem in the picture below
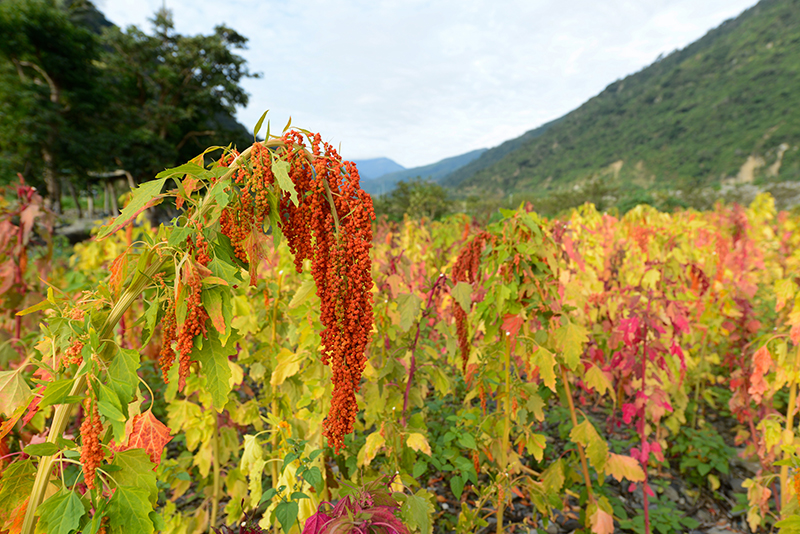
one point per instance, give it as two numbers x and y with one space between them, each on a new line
785 497
584 466
215 465
506 434
63 411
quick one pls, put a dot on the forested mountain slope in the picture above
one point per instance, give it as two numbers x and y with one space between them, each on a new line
727 107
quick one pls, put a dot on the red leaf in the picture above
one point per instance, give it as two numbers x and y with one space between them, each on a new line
148 433
316 523
762 360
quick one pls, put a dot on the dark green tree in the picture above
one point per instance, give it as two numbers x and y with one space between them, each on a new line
178 93
416 198
50 100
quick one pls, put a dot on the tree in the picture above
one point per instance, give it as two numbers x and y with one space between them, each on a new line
179 93
49 97
74 101
416 198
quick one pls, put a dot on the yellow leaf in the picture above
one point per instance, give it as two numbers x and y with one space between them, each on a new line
602 522
619 467
419 443
370 449
714 482
650 279
544 360
598 381
288 365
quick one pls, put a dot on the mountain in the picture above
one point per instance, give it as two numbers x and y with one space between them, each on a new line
369 169
724 109
434 172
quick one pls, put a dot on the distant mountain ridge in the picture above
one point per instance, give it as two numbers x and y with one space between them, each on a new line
434 172
369 169
724 109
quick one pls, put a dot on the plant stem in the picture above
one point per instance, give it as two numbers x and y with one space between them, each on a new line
790 427
584 466
215 465
63 411
506 433
412 367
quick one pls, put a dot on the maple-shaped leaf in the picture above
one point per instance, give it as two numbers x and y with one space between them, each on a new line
12 521
599 381
136 470
148 433
596 447
217 302
601 521
762 360
16 482
61 513
144 196
14 392
620 466
545 361
213 358
417 510
570 339
129 511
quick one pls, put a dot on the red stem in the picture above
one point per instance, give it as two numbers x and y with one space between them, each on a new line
643 422
413 365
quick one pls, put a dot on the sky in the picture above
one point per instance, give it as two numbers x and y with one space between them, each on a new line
421 80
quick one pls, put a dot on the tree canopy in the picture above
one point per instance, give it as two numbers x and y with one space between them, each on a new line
79 95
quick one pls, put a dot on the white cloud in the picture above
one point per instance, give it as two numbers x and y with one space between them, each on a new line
418 80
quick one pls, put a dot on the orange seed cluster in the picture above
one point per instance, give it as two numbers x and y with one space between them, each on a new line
331 225
466 270
91 451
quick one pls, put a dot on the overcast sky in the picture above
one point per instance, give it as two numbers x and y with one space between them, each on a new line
418 81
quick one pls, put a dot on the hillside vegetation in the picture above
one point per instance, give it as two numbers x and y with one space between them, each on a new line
724 110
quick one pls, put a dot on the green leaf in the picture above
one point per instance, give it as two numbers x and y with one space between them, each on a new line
462 293
408 304
217 302
280 169
178 235
47 448
467 441
302 294
150 318
144 196
570 339
16 484
43 305
225 270
136 470
112 409
596 447
129 511
258 125
213 358
314 477
457 486
286 513
417 510
123 373
56 392
14 392
61 513
546 362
